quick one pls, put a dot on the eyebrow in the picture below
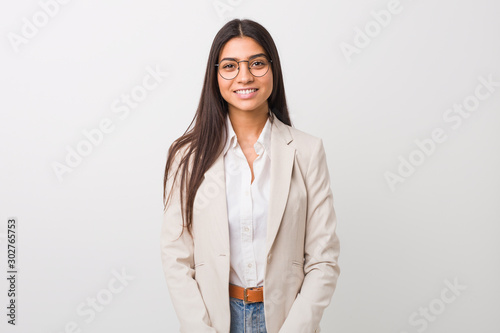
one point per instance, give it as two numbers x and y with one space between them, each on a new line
250 58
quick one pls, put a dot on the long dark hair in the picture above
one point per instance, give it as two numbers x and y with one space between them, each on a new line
205 141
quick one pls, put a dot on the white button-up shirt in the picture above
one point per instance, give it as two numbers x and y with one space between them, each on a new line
247 205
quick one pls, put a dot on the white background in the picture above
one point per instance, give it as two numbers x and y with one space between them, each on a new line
398 246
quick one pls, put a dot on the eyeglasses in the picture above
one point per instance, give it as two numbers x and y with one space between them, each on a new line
228 69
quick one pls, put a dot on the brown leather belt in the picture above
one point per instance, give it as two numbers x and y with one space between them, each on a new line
248 295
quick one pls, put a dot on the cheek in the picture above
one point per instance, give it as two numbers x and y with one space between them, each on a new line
223 86
269 84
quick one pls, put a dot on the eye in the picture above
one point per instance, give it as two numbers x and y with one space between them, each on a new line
258 63
228 66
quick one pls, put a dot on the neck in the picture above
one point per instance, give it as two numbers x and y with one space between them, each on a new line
248 124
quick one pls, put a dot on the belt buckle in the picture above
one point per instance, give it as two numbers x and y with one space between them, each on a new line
245 295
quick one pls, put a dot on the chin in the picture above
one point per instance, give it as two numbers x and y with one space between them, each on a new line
247 106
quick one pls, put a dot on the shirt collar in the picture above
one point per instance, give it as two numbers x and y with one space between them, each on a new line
264 137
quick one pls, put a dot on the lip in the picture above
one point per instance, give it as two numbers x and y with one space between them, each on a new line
246 96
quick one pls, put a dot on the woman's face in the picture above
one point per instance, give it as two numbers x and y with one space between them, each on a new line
242 48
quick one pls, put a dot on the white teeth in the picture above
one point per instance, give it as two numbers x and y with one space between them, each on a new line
246 91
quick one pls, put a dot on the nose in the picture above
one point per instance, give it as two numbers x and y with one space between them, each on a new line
244 74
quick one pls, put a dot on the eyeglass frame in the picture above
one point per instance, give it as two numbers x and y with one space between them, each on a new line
248 61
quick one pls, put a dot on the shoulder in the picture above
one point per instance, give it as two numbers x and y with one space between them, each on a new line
309 149
178 157
304 142
304 139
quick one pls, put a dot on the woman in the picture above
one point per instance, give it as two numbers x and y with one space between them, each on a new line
250 245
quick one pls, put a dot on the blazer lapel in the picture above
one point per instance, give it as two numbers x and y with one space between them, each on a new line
214 184
282 159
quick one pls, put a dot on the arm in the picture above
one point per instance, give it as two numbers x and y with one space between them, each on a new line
321 250
178 262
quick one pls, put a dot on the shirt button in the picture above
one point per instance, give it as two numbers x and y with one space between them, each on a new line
247 229
250 265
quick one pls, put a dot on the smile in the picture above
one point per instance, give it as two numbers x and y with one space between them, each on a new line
245 91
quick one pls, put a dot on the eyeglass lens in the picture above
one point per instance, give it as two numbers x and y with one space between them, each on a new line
229 69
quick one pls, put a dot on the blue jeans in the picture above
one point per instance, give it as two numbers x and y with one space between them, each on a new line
247 318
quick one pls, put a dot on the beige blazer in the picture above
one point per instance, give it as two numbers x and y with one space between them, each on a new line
302 246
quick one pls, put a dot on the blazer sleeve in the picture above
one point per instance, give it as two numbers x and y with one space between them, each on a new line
178 266
321 250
